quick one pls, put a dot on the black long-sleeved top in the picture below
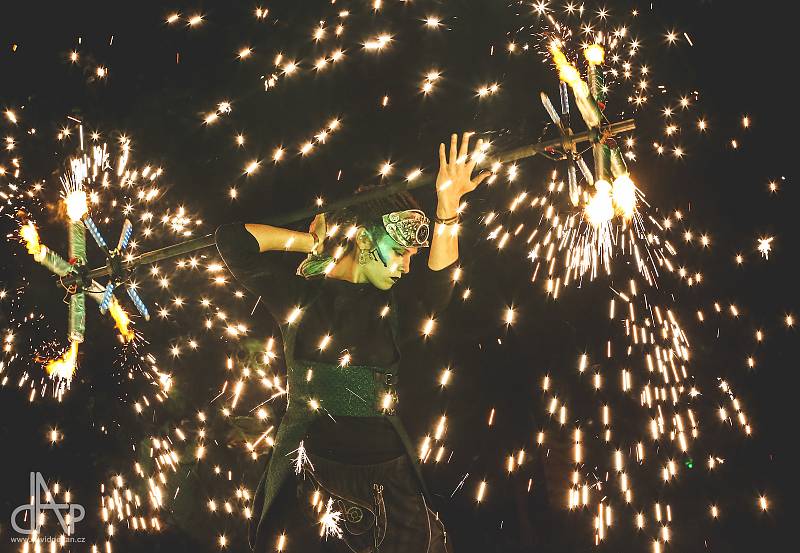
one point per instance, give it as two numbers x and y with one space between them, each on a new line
351 315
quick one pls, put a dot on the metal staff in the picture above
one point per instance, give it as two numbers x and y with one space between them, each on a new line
206 241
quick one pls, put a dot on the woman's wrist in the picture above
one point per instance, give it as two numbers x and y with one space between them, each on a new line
446 220
444 211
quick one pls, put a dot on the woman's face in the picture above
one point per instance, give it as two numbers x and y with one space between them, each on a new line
397 261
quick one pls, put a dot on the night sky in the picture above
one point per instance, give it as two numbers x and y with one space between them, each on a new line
164 79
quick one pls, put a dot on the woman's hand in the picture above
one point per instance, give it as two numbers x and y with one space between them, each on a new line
318 228
455 175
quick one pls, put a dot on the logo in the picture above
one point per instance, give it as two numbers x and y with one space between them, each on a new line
74 512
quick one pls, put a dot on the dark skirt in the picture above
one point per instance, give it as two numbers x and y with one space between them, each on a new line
381 507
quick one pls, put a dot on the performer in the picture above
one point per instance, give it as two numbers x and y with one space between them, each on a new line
341 394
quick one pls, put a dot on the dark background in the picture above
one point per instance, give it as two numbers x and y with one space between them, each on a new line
741 63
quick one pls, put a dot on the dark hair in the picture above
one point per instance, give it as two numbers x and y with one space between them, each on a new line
366 214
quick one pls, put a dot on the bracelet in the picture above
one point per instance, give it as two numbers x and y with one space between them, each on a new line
448 221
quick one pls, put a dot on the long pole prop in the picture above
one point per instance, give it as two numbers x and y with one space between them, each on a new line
206 241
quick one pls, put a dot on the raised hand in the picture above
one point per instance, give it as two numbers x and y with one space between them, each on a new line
455 174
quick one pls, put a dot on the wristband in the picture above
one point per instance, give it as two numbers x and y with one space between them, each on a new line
448 221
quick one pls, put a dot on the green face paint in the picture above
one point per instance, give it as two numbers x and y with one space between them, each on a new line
390 262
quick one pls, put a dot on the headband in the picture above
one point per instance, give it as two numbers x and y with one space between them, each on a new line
409 228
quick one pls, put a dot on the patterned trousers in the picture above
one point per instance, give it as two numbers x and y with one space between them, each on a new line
370 509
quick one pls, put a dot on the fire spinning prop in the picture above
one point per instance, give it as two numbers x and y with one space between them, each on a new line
72 273
643 367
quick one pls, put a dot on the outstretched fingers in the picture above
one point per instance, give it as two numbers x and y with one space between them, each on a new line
462 154
473 160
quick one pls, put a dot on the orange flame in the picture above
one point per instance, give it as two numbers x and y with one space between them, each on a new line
121 319
64 367
30 235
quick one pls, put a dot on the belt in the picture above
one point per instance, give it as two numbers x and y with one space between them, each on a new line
352 390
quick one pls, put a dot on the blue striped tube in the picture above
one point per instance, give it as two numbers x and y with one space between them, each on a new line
107 295
137 301
125 235
95 232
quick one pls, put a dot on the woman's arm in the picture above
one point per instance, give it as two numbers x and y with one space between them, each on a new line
430 289
275 238
444 246
271 276
452 183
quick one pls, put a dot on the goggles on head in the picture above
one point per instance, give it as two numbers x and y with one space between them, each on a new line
409 228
